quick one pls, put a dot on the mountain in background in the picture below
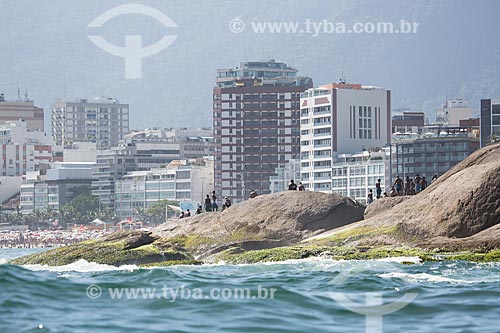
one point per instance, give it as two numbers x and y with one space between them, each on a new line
45 49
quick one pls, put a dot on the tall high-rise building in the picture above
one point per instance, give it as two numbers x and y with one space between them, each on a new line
256 125
21 109
340 118
489 120
104 121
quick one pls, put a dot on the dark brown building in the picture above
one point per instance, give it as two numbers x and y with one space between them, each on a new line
256 125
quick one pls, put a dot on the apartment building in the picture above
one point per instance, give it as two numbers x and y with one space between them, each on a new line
340 118
102 120
256 125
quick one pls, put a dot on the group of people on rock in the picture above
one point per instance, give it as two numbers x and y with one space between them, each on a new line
293 187
210 205
410 186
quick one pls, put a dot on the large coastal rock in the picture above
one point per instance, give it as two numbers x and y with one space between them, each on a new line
459 210
263 222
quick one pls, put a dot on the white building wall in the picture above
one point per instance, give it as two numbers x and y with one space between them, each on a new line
374 98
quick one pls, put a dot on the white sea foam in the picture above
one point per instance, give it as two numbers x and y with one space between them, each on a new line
2 261
414 260
424 277
81 266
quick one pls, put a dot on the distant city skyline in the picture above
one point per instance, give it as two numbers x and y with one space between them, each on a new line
58 60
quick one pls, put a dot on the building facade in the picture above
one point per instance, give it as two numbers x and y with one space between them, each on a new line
256 125
430 155
340 118
56 188
452 112
111 165
408 121
145 150
104 121
490 121
353 175
22 109
23 150
179 181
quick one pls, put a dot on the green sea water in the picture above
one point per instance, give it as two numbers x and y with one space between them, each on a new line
293 296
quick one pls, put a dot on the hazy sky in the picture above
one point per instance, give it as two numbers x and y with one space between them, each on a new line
46 49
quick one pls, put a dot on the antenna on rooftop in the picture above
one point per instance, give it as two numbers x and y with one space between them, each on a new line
18 94
342 78
26 95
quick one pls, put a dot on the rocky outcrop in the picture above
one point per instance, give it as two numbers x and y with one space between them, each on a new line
267 221
459 212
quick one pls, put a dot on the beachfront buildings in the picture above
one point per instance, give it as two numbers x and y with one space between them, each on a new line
452 112
102 120
256 116
490 121
340 118
182 180
146 150
22 109
429 155
55 188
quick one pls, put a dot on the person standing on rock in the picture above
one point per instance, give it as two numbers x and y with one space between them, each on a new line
423 184
407 185
398 185
292 186
412 187
208 204
417 183
214 202
301 187
369 199
378 188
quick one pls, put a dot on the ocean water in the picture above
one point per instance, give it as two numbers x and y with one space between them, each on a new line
312 295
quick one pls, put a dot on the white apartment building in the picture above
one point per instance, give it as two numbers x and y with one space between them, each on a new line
103 120
181 180
452 112
22 149
340 118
